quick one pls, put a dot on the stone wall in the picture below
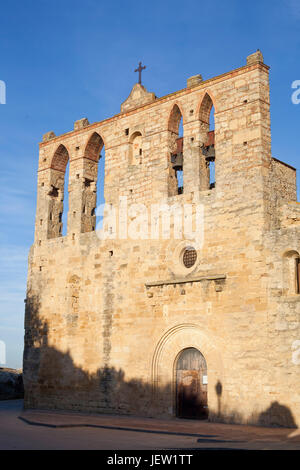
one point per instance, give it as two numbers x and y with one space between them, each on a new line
106 319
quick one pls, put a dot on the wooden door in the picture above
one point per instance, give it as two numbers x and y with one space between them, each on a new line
191 385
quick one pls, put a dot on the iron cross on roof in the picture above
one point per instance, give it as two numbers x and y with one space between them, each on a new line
139 70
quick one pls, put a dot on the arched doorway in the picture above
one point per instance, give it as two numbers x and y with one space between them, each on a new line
191 385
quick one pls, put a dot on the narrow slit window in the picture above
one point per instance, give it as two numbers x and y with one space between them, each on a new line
212 178
176 154
297 266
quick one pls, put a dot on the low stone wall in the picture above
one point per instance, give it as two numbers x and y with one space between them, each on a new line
11 384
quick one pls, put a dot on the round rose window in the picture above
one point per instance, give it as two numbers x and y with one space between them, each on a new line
189 257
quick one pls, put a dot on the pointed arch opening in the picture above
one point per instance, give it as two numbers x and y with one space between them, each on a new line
93 195
58 194
93 147
60 158
207 129
175 127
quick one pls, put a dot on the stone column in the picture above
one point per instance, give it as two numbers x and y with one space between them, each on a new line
82 196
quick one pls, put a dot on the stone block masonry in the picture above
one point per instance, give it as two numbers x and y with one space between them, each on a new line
107 320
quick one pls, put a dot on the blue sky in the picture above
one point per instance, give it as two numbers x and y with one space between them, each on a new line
68 59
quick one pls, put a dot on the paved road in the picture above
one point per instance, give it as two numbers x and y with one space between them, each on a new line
139 433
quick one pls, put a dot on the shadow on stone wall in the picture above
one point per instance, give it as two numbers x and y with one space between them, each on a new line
53 381
276 415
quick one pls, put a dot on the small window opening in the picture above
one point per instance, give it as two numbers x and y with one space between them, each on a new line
60 217
211 169
53 192
189 257
212 119
208 148
178 167
127 131
176 155
87 182
179 176
65 211
111 253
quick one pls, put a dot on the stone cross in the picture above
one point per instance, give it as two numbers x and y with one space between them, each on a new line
139 70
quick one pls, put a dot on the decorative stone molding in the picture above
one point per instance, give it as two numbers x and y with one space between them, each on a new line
213 277
170 344
194 80
255 58
81 123
48 136
138 97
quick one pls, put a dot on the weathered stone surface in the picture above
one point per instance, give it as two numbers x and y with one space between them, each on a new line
11 384
138 97
255 57
194 81
102 331
81 123
48 136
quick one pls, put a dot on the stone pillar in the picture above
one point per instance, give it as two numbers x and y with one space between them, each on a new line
82 196
50 194
255 58
194 81
195 170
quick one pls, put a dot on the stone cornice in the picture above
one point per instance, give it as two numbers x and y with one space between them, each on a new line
186 280
176 94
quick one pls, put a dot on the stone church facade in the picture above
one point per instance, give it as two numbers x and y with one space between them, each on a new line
204 325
